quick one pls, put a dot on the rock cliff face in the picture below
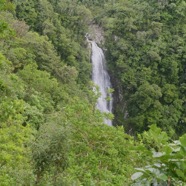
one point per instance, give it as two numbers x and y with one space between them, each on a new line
96 33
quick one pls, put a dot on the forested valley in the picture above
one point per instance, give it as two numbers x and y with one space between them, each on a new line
51 133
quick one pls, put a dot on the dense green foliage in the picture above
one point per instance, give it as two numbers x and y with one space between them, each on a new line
50 131
167 165
146 54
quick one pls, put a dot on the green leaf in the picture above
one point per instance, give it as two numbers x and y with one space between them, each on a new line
183 140
157 165
140 169
136 175
180 173
163 177
158 154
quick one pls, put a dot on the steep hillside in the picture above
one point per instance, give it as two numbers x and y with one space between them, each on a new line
50 131
145 43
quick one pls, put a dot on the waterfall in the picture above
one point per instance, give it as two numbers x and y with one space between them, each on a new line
101 78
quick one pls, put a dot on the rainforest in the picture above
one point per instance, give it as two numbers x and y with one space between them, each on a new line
51 132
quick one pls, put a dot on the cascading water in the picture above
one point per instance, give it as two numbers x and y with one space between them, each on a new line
101 78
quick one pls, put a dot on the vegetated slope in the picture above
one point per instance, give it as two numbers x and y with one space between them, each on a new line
145 43
50 132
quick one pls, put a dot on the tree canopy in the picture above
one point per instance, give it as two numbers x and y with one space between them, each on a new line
50 130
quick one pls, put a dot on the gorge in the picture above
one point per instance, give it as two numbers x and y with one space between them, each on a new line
57 99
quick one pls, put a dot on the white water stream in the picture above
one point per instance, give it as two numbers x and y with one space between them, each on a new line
101 78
